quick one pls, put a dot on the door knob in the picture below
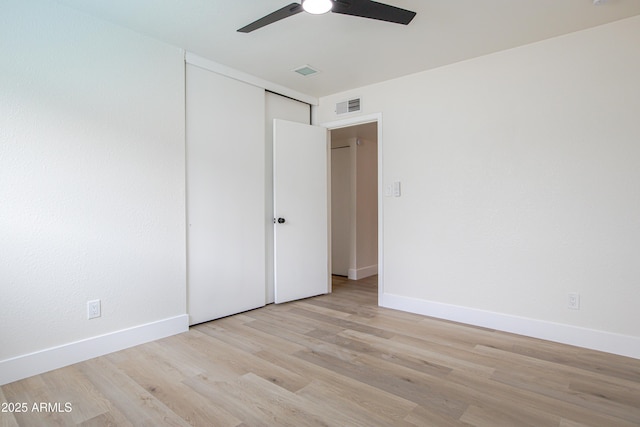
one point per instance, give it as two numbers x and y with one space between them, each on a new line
281 220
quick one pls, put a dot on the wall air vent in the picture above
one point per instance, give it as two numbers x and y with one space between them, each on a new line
350 106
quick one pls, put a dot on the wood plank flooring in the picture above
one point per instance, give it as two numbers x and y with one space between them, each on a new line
337 360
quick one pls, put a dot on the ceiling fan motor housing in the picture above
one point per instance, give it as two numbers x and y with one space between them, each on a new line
360 8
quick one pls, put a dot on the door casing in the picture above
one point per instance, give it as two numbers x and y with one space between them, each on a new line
352 121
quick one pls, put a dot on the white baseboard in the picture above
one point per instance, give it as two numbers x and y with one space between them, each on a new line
361 273
623 345
48 359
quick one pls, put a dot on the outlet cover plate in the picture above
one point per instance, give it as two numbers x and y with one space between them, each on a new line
574 301
93 309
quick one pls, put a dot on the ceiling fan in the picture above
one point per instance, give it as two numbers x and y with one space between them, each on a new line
363 8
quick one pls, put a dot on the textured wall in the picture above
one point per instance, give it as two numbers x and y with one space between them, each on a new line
91 177
520 180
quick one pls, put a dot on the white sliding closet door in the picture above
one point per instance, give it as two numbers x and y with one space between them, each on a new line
225 126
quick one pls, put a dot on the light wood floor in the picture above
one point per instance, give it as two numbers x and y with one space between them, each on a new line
338 360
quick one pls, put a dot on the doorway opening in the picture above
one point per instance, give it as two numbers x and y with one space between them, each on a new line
366 289
356 244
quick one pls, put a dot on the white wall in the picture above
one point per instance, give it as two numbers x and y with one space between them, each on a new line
520 176
92 179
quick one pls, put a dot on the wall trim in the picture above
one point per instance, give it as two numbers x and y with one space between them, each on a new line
52 358
361 273
210 65
623 345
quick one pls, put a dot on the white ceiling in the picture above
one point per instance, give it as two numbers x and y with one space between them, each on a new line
349 51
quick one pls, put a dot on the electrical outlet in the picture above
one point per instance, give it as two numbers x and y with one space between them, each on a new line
93 309
574 301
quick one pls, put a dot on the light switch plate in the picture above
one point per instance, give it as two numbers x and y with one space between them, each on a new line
397 191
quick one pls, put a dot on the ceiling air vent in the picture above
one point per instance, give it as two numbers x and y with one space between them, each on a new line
306 70
350 106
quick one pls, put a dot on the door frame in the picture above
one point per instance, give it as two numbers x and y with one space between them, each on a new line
359 120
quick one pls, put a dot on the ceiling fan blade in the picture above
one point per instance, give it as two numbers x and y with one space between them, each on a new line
285 12
373 10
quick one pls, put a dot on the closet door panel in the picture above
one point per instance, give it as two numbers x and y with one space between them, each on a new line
225 125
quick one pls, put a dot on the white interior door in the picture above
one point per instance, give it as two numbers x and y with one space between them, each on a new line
276 107
301 211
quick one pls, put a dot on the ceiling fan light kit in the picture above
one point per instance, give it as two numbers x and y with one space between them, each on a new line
317 7
362 8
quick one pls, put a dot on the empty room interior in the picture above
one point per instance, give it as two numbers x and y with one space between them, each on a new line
322 213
